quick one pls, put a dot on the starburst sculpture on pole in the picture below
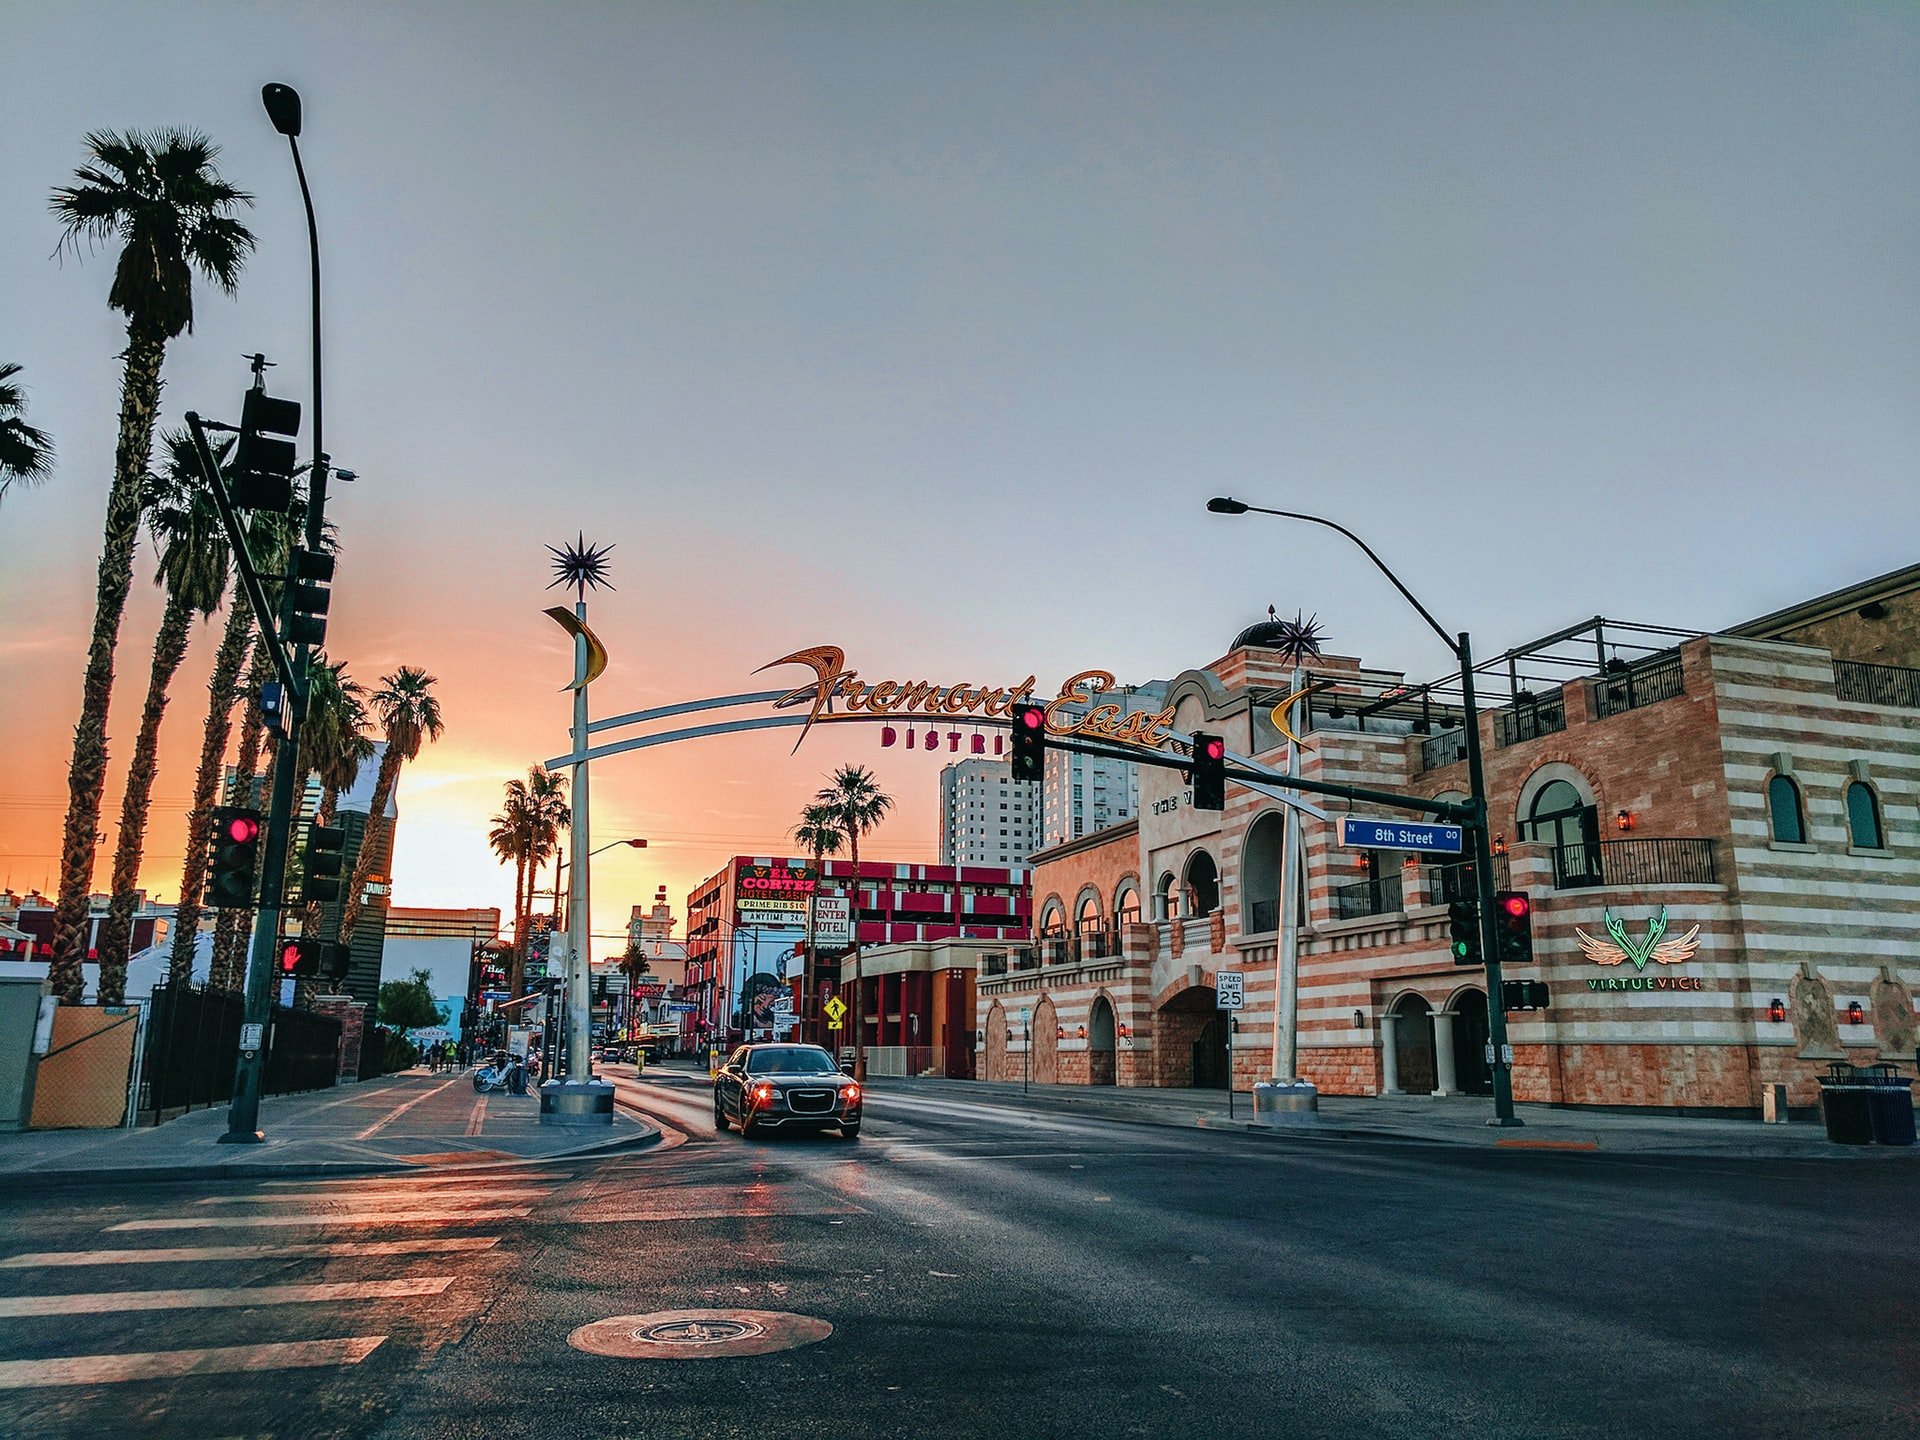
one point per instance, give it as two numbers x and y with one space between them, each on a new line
580 565
1298 640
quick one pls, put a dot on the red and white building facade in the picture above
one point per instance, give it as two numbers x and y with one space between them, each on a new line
1752 794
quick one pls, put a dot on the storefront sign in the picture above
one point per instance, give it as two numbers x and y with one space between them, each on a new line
1622 947
833 682
1646 982
833 920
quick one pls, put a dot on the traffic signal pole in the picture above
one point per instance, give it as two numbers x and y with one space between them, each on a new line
1502 1066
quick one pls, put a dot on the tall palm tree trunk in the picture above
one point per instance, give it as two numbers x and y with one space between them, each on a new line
371 839
231 929
227 664
169 649
859 985
87 776
517 961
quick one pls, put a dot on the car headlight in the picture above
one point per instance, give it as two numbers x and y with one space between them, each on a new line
850 1095
763 1093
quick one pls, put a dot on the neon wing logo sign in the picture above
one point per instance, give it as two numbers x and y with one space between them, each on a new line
1622 947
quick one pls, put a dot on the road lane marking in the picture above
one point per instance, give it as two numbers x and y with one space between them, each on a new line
194 1254
341 1217
116 1302
344 1197
170 1364
415 1182
479 1116
399 1110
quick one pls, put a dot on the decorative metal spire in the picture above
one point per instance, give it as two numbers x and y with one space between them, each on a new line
580 565
1297 640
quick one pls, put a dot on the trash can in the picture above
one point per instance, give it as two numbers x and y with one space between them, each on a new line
1889 1104
1846 1105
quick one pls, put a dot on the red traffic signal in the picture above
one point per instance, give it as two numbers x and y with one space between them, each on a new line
1209 772
1515 905
242 829
1029 717
1513 927
1029 742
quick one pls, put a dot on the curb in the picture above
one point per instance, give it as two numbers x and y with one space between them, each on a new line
319 1169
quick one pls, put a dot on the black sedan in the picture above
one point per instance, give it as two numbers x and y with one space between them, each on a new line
785 1087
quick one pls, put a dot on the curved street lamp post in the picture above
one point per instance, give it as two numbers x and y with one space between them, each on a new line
1462 649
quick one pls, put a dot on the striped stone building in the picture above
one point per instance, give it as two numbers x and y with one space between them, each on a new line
1720 834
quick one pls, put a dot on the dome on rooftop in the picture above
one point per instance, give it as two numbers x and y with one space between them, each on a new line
1296 639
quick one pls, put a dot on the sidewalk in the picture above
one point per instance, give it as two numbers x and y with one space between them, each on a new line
1418 1119
399 1122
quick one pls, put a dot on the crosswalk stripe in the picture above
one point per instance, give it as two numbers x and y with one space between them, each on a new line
330 1249
115 1302
321 1221
417 1182
346 1196
169 1364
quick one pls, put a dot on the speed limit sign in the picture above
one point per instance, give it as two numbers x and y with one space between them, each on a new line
1229 990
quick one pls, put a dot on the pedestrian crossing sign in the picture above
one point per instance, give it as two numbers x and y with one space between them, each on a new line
836 1009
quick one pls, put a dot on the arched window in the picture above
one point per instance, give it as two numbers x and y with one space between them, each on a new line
1783 809
1053 920
1260 875
1126 904
1561 817
1863 818
1203 883
1163 897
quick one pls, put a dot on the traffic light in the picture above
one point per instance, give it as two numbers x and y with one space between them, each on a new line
1523 995
262 474
321 862
334 959
1029 741
299 959
236 856
308 597
1513 927
1209 772
1463 931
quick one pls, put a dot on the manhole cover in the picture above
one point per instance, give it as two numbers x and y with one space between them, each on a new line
698 1334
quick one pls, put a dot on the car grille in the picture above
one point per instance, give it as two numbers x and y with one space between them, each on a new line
810 1102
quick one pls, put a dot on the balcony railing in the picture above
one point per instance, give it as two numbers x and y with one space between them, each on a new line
1263 915
1633 862
1446 884
1634 686
1530 719
1864 684
1369 897
1443 749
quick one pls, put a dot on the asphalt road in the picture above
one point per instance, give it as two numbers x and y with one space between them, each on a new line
985 1273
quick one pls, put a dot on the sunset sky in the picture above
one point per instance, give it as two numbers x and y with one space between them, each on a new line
928 330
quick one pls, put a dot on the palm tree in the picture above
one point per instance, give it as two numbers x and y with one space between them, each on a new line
818 833
510 839
159 195
857 803
192 546
26 454
410 715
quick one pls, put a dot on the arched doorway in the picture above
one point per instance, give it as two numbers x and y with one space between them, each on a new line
1046 1045
1202 884
1191 1041
1413 1045
1562 817
997 1042
1101 1067
1470 1042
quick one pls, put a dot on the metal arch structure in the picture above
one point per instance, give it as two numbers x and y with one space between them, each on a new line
1262 779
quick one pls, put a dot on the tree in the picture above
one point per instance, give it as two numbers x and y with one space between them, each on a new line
159 195
193 564
857 803
409 1004
527 832
819 834
410 715
26 453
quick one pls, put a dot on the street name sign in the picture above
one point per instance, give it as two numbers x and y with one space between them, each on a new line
1229 990
1401 835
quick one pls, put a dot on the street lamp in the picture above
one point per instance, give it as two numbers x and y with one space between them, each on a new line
560 864
1462 649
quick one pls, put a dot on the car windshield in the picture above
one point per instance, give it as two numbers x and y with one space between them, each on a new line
797 1060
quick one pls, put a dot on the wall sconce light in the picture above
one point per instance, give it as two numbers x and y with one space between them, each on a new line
1499 844
1777 1010
1359 1019
1080 1033
1125 1033
1855 1015
1623 821
1059 1032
